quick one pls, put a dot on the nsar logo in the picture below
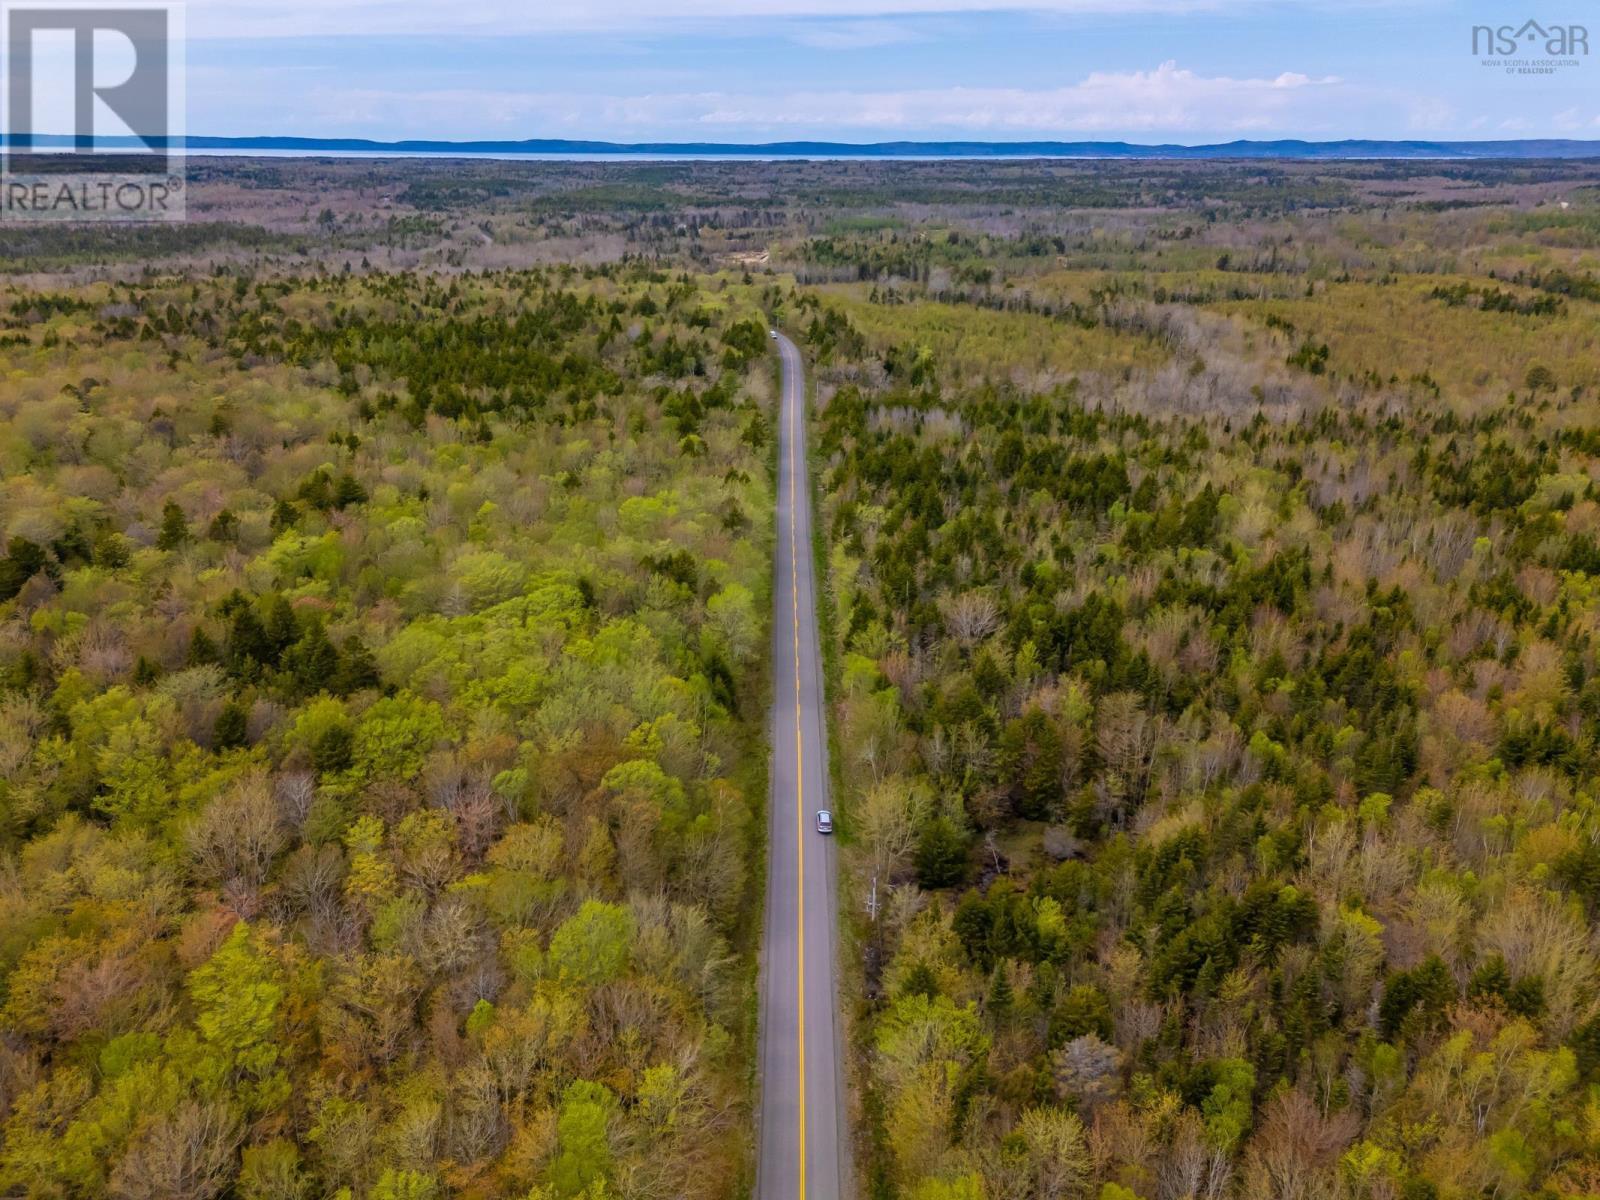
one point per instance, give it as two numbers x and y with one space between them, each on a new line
1531 48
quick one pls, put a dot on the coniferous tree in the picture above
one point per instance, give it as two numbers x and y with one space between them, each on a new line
232 726
174 527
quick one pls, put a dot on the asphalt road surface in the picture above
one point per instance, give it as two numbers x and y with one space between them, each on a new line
804 1154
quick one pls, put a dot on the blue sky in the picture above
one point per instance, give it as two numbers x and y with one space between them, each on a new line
865 70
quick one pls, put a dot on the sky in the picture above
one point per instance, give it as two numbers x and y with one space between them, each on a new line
1187 71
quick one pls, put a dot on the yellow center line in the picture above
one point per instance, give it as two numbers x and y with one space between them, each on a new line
800 769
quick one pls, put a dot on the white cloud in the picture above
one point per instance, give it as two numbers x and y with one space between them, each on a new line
1432 113
1165 100
1573 120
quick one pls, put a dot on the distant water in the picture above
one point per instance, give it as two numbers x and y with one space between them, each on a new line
624 156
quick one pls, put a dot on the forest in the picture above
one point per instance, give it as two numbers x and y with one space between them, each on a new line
1212 637
1218 693
379 751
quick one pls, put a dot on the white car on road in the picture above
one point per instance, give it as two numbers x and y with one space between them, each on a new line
824 821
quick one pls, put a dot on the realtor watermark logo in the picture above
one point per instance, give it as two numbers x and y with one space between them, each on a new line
1530 47
91 111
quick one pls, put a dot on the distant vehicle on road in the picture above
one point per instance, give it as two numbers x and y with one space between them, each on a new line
774 334
824 821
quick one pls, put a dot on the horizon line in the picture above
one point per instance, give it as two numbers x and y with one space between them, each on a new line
1287 147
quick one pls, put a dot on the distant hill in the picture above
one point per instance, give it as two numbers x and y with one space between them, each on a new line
1284 149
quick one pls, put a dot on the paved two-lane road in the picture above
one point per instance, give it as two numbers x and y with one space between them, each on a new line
803 1150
